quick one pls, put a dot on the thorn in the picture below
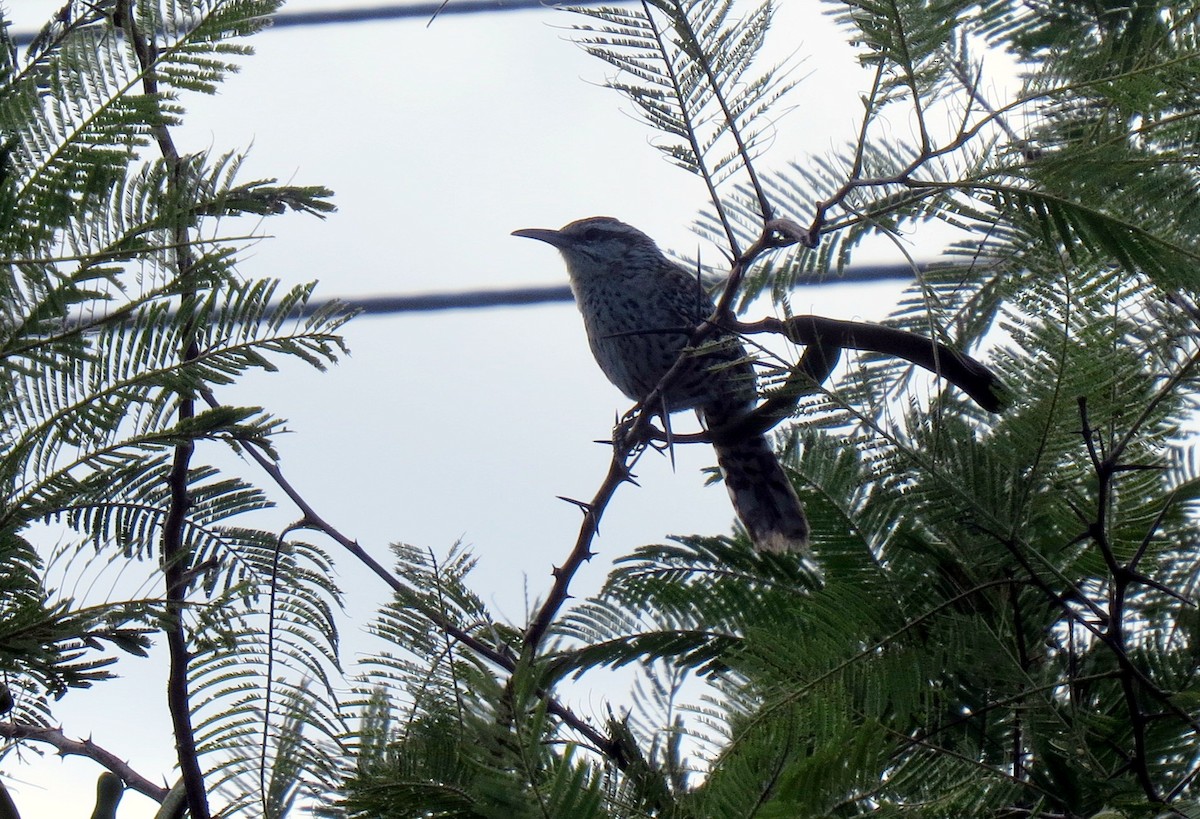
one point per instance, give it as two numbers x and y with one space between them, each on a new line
1154 584
585 507
628 476
666 419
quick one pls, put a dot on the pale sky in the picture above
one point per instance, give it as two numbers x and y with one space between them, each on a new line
438 142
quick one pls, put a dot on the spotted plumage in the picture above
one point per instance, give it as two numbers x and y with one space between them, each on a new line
639 309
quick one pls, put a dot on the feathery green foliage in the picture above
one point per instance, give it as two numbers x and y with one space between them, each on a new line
1000 618
120 307
1000 615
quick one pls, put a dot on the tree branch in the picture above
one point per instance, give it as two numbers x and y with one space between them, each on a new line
176 554
825 338
498 656
1120 578
86 748
693 139
626 450
972 377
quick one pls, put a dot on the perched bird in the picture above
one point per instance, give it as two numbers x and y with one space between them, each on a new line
640 309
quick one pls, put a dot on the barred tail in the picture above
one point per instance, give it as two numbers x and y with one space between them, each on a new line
762 495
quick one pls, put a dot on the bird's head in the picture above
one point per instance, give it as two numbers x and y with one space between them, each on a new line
597 245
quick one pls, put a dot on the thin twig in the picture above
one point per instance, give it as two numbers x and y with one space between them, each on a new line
1105 469
86 748
501 657
764 204
693 139
176 556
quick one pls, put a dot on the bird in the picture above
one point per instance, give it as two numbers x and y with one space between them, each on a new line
640 311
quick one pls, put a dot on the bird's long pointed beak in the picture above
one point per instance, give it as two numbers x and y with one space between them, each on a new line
550 237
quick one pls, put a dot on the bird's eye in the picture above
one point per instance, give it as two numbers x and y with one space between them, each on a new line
592 234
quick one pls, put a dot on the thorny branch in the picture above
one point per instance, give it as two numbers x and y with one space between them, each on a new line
627 447
1122 576
825 338
499 656
87 748
176 557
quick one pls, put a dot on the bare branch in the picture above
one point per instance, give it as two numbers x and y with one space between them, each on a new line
626 449
499 656
86 748
175 556
825 339
693 139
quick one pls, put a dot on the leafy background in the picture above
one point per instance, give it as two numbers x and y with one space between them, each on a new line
949 615
390 116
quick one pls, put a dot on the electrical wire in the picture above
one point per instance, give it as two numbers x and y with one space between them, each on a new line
556 293
471 299
369 14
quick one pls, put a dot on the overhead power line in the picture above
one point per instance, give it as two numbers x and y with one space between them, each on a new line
428 11
552 293
473 299
460 300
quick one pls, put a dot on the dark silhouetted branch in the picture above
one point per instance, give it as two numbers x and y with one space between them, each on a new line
86 748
